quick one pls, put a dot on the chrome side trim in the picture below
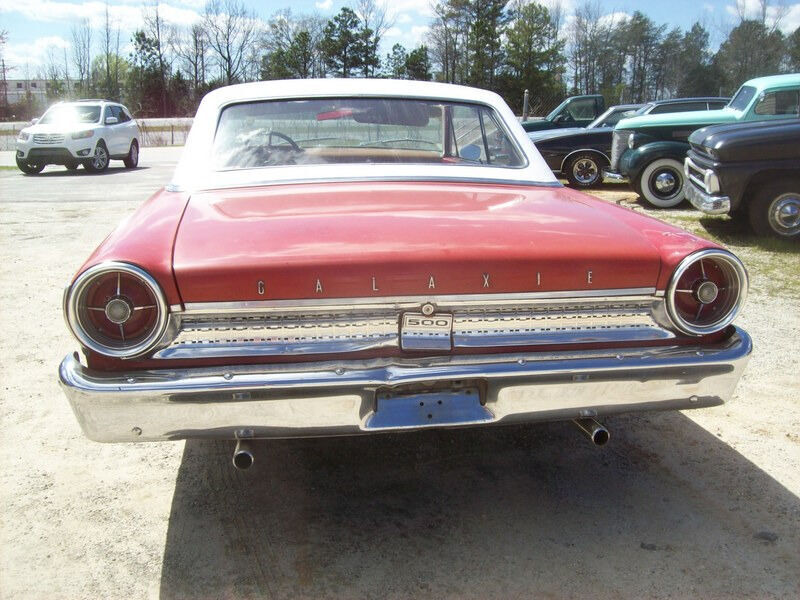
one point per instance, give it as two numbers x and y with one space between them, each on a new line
338 398
405 302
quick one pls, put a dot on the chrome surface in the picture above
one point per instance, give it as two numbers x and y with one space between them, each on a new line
421 332
613 176
243 457
407 302
74 299
713 205
427 409
118 310
100 158
467 322
706 292
580 151
619 143
784 214
702 178
665 182
596 432
742 282
338 398
48 138
585 171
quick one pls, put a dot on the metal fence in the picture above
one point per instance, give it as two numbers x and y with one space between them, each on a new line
154 132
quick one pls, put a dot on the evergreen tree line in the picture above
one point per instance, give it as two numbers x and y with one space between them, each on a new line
506 46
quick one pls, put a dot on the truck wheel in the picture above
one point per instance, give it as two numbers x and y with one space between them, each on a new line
775 210
584 170
662 183
29 168
99 162
132 159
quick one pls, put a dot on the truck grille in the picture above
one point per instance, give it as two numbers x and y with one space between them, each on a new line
48 138
619 144
325 329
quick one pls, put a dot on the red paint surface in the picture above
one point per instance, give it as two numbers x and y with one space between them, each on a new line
145 239
403 233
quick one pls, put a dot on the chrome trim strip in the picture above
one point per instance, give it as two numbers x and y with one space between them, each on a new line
337 398
400 302
172 187
592 150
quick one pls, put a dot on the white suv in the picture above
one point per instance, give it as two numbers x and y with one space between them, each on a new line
86 132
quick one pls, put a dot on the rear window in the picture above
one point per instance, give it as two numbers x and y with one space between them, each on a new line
679 107
361 130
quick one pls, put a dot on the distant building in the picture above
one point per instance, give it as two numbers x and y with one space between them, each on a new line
17 90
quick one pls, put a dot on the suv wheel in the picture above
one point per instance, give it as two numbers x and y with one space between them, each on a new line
584 170
99 162
132 159
775 210
661 183
29 168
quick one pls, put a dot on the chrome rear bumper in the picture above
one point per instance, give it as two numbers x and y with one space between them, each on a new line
318 399
713 205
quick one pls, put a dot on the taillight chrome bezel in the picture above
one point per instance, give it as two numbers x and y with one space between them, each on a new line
74 295
740 280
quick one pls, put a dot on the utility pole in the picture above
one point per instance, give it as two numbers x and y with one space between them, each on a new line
5 86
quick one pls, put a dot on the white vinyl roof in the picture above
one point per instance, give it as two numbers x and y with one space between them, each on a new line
194 170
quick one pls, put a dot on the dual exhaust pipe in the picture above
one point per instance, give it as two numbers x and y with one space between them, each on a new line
243 457
595 431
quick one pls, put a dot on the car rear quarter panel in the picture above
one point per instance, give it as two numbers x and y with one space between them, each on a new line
146 239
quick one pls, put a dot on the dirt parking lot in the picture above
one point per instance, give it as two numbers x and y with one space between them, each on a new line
701 504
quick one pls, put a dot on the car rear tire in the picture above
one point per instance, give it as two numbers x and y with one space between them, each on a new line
584 170
662 183
132 159
775 210
29 168
99 162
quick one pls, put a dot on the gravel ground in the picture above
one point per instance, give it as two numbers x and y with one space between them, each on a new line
701 504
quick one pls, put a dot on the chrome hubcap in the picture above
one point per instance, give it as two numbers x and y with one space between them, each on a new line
665 182
784 214
585 171
100 158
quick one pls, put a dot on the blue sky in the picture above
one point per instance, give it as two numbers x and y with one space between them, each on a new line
36 25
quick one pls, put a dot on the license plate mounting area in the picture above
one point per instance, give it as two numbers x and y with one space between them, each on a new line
428 409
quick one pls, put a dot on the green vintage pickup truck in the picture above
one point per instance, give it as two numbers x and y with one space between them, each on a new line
649 150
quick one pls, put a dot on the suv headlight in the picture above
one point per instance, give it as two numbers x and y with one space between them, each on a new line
79 135
116 309
23 136
706 292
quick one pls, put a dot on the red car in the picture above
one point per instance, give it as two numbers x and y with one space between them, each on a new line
341 257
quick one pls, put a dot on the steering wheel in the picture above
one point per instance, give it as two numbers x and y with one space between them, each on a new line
285 138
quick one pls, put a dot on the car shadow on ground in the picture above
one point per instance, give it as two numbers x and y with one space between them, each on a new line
80 171
738 232
665 509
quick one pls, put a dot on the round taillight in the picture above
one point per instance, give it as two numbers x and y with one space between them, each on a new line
706 292
116 309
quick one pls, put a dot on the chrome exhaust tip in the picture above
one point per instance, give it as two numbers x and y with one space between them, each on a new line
243 455
593 430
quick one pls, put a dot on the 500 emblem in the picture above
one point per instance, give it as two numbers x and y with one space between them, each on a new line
423 332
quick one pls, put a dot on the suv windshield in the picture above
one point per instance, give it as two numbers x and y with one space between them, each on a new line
69 115
361 130
742 98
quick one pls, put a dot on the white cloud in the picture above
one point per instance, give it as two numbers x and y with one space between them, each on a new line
751 9
32 54
393 32
125 16
415 7
613 18
403 18
418 32
325 5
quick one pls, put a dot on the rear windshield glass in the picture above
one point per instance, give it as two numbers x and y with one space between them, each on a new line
742 98
70 115
361 130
